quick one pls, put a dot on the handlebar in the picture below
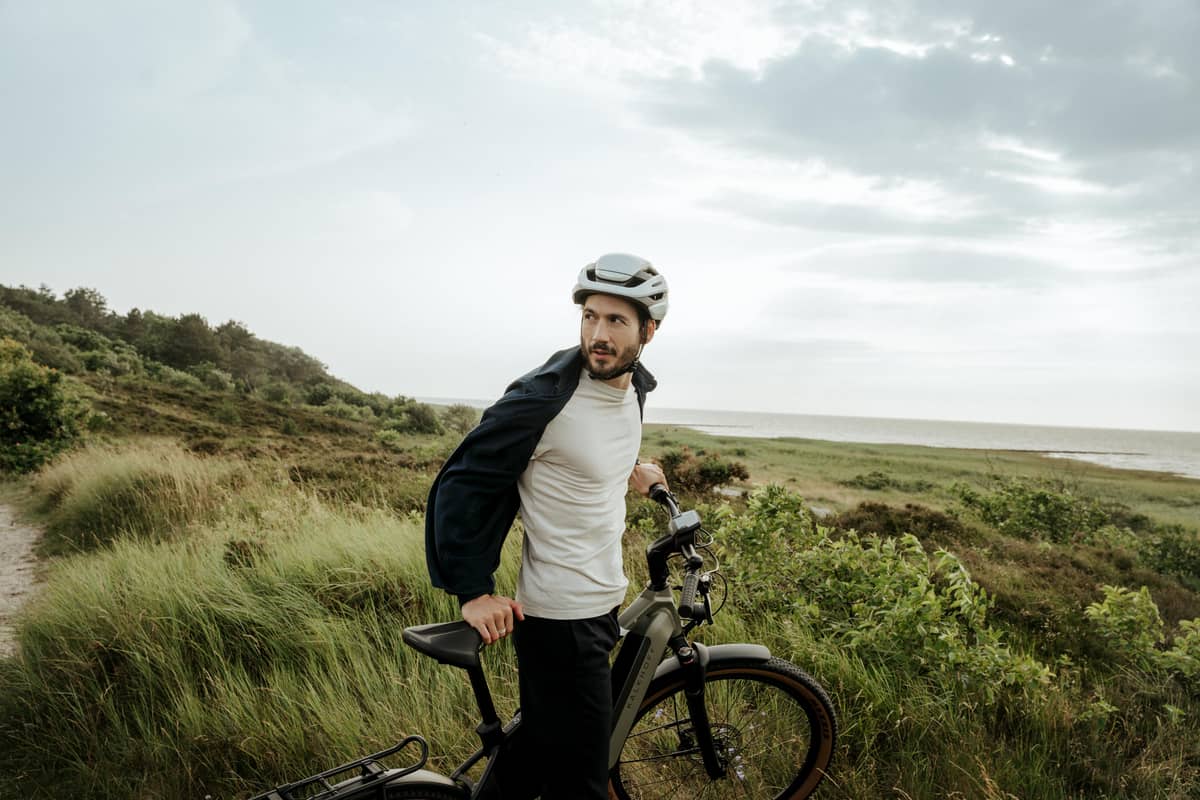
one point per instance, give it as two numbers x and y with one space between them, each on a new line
681 539
660 494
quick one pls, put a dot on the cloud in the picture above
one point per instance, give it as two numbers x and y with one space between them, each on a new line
933 264
198 97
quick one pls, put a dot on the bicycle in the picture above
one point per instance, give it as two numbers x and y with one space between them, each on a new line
727 715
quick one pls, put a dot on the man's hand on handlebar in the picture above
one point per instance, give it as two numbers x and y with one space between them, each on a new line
492 615
646 475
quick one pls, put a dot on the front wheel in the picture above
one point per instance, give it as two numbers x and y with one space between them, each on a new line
774 728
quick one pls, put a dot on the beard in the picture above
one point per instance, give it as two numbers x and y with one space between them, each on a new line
619 365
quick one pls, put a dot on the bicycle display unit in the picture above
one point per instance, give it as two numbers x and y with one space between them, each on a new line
730 718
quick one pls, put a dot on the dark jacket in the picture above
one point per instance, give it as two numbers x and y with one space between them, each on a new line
474 498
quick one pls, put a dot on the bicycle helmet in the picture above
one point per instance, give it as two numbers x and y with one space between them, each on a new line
628 276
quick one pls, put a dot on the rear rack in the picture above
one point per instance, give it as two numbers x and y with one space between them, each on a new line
318 787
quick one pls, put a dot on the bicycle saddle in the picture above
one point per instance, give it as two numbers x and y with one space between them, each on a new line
453 643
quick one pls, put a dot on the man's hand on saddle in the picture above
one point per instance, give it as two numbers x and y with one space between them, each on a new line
646 475
492 615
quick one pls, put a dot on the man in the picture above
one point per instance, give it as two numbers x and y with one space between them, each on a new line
561 445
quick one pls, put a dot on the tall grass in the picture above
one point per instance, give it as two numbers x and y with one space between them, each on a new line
151 489
172 669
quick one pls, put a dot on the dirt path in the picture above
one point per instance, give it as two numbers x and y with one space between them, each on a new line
16 572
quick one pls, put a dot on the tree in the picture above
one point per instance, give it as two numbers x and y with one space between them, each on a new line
38 418
89 307
191 342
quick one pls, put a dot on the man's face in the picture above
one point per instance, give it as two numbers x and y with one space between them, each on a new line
609 335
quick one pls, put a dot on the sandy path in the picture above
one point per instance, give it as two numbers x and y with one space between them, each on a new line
16 572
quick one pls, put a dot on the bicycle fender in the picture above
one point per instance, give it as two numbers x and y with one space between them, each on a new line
427 778
714 656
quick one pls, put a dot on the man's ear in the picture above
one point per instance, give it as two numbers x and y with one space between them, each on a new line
648 329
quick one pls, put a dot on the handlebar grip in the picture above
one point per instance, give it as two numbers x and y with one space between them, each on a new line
688 596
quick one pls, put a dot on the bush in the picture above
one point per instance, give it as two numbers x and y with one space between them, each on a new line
341 410
1184 656
1173 550
885 520
277 392
687 472
460 418
215 379
38 417
881 596
1043 510
319 394
1129 624
173 377
414 417
876 481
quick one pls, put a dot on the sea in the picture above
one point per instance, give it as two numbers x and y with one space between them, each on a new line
1176 453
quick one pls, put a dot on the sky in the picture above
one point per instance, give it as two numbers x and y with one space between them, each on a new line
904 208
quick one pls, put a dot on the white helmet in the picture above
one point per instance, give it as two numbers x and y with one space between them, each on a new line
627 276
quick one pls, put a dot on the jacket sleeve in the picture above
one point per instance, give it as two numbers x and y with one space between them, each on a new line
474 499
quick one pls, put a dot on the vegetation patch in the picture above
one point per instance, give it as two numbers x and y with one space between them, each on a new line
150 490
880 519
877 481
39 417
699 472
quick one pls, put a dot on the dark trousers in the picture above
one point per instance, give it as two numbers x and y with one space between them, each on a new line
566 701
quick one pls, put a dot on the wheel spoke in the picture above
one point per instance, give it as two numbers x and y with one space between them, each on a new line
762 721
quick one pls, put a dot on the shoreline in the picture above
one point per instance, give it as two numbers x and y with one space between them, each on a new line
1184 464
1125 460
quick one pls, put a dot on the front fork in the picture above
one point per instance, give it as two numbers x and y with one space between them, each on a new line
693 683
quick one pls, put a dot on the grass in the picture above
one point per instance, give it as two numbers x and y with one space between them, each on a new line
245 670
224 602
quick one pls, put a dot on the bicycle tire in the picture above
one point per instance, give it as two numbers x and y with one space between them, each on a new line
774 725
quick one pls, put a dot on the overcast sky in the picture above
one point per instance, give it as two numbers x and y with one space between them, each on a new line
913 208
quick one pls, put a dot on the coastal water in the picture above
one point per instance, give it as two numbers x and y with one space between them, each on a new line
1158 451
1173 452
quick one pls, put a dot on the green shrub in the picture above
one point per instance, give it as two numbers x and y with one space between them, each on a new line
173 377
278 392
218 380
689 472
884 520
883 597
414 417
876 481
391 439
1048 511
1184 655
460 418
318 394
1129 624
227 413
341 410
38 416
1172 549
15 325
